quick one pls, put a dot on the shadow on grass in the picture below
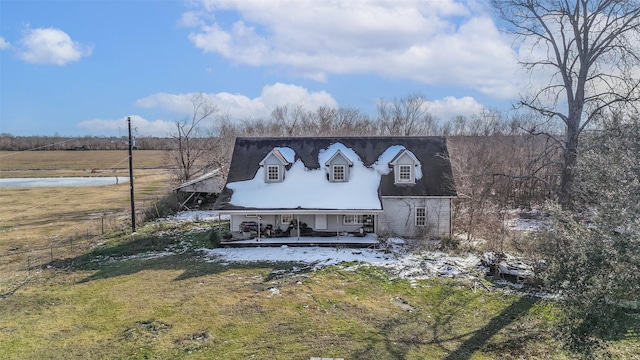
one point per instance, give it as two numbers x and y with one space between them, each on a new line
150 253
480 338
449 327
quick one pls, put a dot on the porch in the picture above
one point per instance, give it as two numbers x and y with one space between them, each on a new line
348 240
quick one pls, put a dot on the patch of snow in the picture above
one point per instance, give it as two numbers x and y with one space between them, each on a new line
527 220
316 256
287 153
407 266
143 256
395 241
527 224
382 164
197 215
274 291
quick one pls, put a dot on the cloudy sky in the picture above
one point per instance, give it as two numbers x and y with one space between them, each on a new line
81 67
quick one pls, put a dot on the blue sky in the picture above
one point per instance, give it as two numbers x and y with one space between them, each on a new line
81 67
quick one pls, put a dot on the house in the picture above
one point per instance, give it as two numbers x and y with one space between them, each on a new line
337 185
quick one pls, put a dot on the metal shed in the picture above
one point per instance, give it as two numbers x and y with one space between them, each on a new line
200 190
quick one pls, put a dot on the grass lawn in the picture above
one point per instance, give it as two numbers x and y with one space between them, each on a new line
121 301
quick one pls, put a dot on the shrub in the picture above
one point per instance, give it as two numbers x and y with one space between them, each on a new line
215 237
162 207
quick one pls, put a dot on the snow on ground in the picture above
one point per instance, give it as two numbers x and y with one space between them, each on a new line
395 259
198 215
527 220
317 256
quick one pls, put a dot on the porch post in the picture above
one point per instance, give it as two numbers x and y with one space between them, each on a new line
337 226
259 218
298 225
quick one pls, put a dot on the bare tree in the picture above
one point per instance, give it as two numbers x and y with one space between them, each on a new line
406 116
290 119
592 48
191 147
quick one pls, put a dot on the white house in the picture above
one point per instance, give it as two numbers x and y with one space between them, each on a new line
396 185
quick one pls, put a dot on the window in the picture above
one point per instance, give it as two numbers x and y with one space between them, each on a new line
404 173
338 173
421 216
286 218
273 173
406 168
352 219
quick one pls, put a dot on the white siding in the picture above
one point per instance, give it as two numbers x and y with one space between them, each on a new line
399 216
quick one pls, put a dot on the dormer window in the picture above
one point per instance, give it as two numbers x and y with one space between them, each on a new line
275 164
338 167
338 173
273 173
404 173
406 168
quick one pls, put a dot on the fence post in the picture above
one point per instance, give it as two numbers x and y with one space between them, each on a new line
51 252
102 218
28 266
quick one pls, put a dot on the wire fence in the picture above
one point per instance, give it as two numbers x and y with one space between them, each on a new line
18 266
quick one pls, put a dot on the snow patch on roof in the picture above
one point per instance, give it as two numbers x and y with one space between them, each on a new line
326 154
382 165
310 188
287 153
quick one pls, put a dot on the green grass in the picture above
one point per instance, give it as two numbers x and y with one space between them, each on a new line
110 303
109 297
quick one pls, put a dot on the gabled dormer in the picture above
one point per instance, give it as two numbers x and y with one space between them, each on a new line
406 168
274 165
338 167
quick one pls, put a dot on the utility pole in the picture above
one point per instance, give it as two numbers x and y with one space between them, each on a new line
133 206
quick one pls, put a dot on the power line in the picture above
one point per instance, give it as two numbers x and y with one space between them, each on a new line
37 148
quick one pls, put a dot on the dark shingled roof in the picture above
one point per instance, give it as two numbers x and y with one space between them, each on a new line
431 151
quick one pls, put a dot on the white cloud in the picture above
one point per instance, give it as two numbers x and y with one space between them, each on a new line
445 42
51 46
4 44
450 107
139 125
240 106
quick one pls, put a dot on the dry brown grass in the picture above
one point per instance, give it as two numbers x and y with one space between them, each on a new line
31 163
33 219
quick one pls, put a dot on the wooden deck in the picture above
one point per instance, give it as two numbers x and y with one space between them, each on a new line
349 241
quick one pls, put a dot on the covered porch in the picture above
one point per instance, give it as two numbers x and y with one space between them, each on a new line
369 240
294 227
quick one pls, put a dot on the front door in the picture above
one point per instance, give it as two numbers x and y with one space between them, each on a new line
321 222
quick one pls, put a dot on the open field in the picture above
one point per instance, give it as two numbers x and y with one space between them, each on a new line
77 163
51 217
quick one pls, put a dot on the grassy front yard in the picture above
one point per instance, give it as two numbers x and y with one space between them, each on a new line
130 298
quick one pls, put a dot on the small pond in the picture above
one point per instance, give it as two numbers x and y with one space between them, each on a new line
62 181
